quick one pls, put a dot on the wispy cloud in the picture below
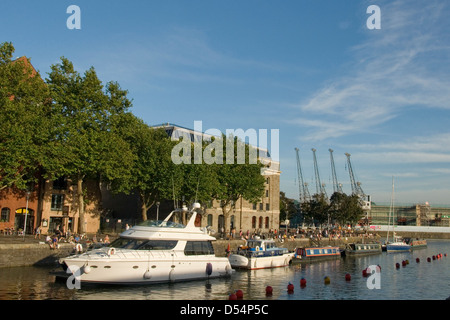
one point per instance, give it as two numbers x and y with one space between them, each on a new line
404 64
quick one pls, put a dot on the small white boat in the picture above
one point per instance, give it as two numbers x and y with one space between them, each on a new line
153 252
398 244
260 254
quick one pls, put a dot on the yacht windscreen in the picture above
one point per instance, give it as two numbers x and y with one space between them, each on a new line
137 244
161 224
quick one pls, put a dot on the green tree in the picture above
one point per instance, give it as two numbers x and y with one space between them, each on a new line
346 209
154 174
24 113
319 208
237 179
287 207
86 145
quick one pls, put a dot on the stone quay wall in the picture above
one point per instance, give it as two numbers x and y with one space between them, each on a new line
40 254
32 254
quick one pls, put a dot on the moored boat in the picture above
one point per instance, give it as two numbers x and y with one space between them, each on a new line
416 243
153 252
311 254
399 245
356 249
260 254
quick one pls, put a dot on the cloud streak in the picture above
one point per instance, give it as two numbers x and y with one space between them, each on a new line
394 69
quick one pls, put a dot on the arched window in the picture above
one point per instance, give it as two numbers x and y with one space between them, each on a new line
254 222
260 224
267 223
5 214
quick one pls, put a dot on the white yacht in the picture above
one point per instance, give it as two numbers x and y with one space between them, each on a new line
260 254
153 252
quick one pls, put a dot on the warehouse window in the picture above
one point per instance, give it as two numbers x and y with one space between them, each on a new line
57 201
5 214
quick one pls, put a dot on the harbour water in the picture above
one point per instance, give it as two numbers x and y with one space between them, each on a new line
421 280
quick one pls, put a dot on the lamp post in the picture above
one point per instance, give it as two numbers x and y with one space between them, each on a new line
26 215
157 210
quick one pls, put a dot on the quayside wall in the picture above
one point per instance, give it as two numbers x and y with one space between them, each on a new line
421 232
40 254
35 254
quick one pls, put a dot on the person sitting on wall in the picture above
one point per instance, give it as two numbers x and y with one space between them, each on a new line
55 242
48 239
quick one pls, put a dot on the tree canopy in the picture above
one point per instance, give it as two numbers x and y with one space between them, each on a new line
24 116
72 125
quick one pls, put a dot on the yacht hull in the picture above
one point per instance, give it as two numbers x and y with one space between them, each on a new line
253 263
398 247
94 267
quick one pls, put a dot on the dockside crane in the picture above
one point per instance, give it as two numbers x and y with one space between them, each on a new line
337 187
356 187
303 191
320 188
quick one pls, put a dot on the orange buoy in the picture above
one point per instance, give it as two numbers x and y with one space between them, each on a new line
302 282
326 280
364 272
404 263
232 297
269 291
239 294
429 259
397 265
348 277
417 260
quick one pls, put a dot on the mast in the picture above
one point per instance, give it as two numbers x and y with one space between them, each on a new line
391 209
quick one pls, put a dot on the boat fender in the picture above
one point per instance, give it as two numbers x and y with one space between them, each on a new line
86 269
147 275
172 275
257 248
111 251
79 248
209 268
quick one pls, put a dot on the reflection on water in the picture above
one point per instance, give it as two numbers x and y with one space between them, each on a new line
424 280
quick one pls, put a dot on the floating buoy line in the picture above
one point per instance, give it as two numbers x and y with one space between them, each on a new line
238 294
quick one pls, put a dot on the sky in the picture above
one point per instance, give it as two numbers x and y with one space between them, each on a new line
312 69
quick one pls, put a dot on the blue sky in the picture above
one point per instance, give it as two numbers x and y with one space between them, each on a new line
311 69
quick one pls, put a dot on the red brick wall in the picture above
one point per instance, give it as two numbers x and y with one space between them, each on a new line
14 199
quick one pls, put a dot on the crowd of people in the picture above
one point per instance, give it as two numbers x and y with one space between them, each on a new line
300 233
61 236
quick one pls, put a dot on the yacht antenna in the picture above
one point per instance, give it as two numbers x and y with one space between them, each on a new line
174 199
196 191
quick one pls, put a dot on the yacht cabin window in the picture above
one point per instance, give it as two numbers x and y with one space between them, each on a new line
137 244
